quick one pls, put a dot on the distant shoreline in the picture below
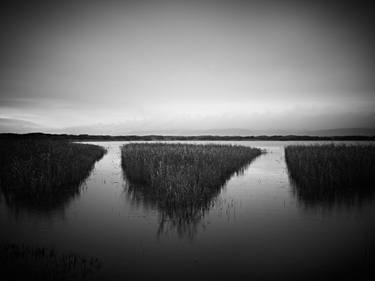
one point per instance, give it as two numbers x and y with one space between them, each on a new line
85 137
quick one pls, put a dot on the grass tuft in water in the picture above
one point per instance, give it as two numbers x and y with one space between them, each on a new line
181 179
22 262
330 174
41 172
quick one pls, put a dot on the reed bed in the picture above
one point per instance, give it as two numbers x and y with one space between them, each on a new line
181 179
41 170
23 262
332 173
181 173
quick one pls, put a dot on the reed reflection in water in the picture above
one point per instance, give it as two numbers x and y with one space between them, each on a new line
331 176
43 176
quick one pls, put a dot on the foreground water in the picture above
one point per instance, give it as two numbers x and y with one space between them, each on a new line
256 228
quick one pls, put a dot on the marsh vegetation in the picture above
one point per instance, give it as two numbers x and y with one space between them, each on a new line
327 174
181 179
240 229
22 262
43 173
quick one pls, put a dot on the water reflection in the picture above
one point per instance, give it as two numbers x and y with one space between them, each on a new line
45 204
256 229
184 219
321 197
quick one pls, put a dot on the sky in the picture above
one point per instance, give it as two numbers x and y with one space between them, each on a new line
118 67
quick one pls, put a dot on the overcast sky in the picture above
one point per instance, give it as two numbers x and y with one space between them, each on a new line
135 66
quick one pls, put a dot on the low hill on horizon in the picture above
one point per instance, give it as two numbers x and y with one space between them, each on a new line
8 125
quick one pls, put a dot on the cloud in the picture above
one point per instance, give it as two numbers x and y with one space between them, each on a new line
191 64
8 125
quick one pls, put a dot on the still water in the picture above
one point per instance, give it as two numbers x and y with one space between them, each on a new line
256 228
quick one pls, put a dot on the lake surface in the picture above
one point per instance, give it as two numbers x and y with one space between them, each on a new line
256 228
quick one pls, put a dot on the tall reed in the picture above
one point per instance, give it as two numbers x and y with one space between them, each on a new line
38 170
329 173
23 262
181 179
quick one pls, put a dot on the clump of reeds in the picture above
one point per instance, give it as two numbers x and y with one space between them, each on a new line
41 170
181 179
22 262
329 173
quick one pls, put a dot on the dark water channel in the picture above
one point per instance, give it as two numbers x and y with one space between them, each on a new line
256 227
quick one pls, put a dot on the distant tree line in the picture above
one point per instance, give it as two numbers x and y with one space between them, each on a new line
86 137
